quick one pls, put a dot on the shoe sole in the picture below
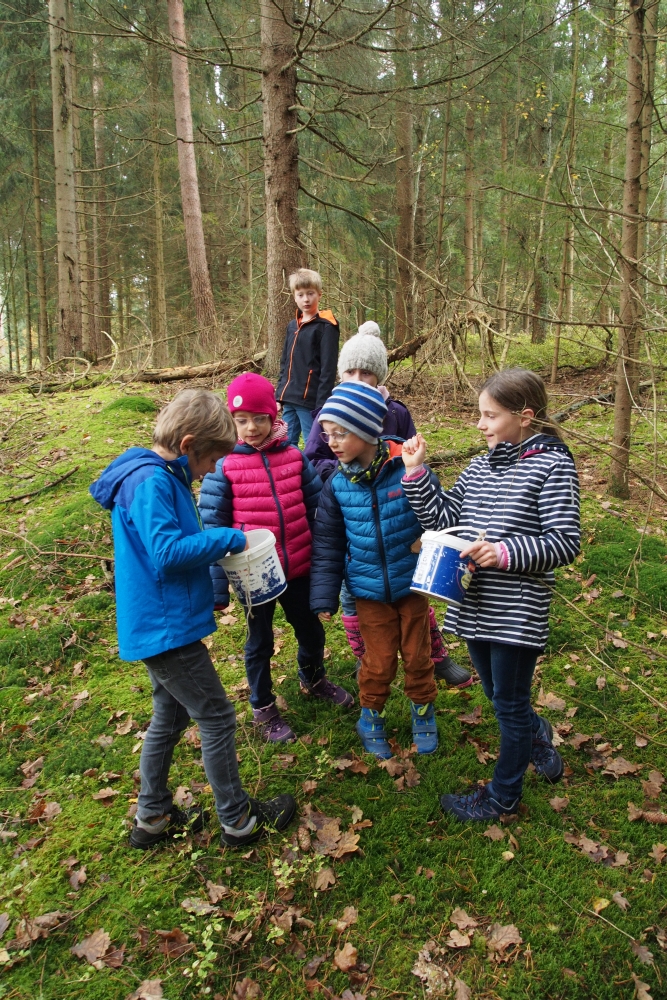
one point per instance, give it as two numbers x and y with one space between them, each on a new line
380 756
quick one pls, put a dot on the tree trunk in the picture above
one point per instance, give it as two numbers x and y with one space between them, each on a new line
28 307
405 189
504 229
648 77
627 368
6 269
88 345
202 293
12 292
563 292
102 296
69 291
443 175
43 323
469 203
159 304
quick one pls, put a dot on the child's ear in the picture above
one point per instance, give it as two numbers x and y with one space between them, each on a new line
527 417
186 444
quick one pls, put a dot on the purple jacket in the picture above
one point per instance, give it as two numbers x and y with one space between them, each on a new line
398 423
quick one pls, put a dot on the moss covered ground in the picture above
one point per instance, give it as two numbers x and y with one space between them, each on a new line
590 910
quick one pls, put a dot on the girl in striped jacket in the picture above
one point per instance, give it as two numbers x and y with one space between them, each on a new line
518 507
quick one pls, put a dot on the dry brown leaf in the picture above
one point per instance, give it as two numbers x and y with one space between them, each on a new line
346 958
281 704
192 904
105 795
550 700
93 947
558 803
183 797
621 859
31 768
600 904
150 989
473 718
461 990
648 815
651 789
174 943
656 777
247 989
600 683
578 740
642 953
309 786
77 878
394 766
347 844
350 916
620 901
325 879
494 833
435 978
457 939
619 766
4 923
217 892
501 937
641 989
356 814
658 852
123 728
314 964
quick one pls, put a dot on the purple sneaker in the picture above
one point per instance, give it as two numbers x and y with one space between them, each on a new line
327 691
271 724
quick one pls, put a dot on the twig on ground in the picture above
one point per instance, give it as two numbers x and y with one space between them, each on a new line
33 493
624 677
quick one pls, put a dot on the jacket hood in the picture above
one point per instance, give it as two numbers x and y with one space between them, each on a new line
248 449
538 444
105 488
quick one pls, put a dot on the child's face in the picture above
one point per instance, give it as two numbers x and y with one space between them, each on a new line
252 428
345 445
307 300
360 375
498 424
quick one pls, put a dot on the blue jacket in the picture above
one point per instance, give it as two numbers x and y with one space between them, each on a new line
364 533
164 595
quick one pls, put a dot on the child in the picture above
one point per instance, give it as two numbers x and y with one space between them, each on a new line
518 507
363 358
267 483
164 607
365 533
308 361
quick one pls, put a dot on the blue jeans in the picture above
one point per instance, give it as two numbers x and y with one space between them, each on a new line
348 603
299 420
186 686
308 630
506 673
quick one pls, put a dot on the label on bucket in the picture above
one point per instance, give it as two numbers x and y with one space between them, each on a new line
440 572
260 583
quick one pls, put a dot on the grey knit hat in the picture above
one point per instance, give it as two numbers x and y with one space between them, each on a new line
364 350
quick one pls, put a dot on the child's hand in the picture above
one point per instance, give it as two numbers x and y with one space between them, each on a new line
414 452
484 553
324 616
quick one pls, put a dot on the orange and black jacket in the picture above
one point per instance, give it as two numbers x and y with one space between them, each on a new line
308 362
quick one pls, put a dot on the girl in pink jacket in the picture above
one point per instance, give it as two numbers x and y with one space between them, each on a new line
268 483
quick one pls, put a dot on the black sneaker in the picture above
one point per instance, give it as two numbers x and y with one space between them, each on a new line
546 760
271 815
478 805
452 673
180 821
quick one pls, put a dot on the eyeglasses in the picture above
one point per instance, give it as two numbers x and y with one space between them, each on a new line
336 436
257 418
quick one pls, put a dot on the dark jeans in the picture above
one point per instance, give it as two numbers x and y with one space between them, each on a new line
186 686
506 673
299 420
309 632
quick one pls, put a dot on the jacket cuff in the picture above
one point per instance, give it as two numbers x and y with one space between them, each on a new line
502 555
415 474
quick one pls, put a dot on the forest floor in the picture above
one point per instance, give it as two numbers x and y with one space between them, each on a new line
385 898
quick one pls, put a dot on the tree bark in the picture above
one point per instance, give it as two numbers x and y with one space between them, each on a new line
469 203
43 322
281 168
69 290
202 293
443 175
159 331
627 367
103 277
88 345
405 188
648 76
28 307
504 230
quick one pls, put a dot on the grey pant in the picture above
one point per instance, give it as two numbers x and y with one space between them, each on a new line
186 686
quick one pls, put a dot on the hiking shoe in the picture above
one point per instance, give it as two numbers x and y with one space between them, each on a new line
326 690
178 821
546 760
263 817
477 806
373 734
424 729
272 726
452 673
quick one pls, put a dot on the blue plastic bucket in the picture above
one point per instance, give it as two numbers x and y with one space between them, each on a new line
440 571
256 574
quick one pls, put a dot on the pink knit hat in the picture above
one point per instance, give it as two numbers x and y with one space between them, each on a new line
252 393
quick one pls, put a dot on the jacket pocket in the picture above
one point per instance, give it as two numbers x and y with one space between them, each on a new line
305 395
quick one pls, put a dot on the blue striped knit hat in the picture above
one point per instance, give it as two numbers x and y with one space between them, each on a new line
358 408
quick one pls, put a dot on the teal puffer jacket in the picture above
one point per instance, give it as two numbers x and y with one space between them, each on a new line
364 532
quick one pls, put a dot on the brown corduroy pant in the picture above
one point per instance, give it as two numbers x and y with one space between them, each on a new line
386 629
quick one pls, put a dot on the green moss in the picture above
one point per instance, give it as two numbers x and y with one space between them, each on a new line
131 404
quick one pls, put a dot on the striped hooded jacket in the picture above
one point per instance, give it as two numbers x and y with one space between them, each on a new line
527 496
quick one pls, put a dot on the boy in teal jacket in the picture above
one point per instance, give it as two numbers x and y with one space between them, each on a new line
164 600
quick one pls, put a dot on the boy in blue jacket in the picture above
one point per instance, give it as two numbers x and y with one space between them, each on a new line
164 607
365 533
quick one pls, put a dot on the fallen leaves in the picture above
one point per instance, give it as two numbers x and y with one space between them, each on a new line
550 700
330 839
325 879
80 698
401 767
217 892
150 989
494 833
44 810
620 901
652 787
658 852
200 908
473 718
600 904
642 953
434 976
350 916
648 815
28 931
598 852
619 766
77 878
457 939
558 803
641 989
309 786
105 795
98 950
462 920
174 943
501 938
346 958
350 762
247 989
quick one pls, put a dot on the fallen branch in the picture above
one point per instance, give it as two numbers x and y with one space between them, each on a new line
200 371
446 456
605 397
33 493
409 348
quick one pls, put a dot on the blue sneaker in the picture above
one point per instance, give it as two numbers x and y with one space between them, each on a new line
373 734
424 728
477 806
546 760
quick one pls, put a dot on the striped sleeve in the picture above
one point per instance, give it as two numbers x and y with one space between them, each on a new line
560 536
435 508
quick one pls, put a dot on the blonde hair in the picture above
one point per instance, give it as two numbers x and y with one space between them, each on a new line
305 278
200 413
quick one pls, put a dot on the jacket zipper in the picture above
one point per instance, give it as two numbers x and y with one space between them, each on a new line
283 543
383 557
310 372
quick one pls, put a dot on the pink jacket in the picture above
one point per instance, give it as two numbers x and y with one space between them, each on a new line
276 488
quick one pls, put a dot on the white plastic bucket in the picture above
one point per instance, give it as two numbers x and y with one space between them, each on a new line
440 572
256 574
